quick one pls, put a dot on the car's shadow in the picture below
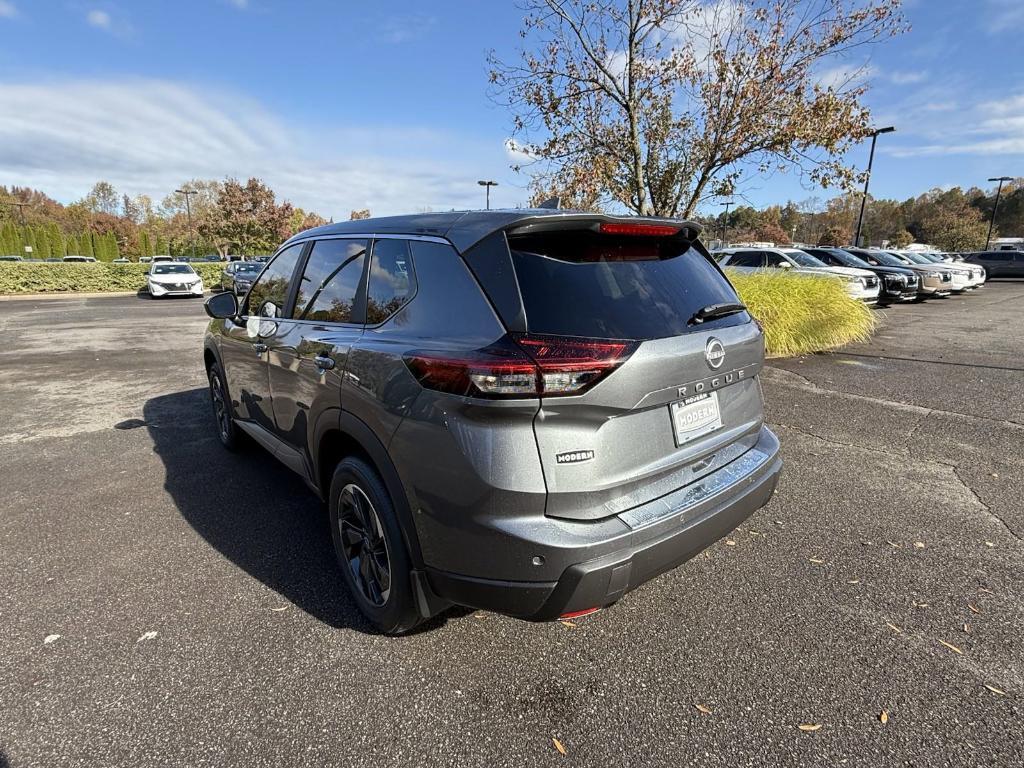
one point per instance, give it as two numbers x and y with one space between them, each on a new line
251 509
254 511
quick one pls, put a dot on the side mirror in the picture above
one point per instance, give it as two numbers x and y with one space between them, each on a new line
221 306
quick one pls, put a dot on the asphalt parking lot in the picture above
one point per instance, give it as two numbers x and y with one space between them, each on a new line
163 602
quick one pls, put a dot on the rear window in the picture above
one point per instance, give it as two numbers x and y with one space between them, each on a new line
579 283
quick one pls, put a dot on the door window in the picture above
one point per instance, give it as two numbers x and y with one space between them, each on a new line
330 282
391 281
775 259
270 293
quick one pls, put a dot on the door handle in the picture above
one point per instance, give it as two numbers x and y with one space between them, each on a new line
323 362
259 348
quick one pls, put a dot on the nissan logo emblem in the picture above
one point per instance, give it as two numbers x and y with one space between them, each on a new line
714 353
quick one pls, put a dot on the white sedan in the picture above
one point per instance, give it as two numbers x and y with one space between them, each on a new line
173 279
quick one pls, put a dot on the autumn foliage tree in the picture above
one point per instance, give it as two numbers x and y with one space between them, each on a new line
659 104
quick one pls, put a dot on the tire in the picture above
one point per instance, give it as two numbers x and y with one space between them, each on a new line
223 414
380 584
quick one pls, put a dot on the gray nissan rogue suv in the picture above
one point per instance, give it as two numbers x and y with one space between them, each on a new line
530 412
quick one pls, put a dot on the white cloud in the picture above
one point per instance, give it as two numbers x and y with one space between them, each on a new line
996 127
99 19
147 136
906 78
7 10
518 153
1003 16
844 76
402 29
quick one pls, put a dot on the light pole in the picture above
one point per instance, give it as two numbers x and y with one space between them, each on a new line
871 160
188 208
487 185
995 207
725 220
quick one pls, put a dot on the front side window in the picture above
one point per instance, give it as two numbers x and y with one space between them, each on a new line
391 281
775 259
330 282
270 293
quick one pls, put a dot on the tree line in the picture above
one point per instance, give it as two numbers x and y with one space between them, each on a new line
227 217
950 219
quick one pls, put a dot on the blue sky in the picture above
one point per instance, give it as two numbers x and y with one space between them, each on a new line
343 105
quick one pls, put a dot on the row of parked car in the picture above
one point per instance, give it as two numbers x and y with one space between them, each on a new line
874 276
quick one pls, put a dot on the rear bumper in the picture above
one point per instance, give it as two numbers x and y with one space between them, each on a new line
654 542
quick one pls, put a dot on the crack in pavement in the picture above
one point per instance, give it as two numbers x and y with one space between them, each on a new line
780 375
909 453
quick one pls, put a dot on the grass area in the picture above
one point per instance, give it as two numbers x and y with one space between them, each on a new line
98 277
802 314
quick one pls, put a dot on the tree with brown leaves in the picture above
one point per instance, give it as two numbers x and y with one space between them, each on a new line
660 104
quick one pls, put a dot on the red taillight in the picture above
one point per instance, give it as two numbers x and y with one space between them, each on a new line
521 366
643 230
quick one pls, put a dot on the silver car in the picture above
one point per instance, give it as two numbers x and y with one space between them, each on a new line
530 412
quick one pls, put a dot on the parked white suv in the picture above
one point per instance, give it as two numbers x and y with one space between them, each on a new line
860 283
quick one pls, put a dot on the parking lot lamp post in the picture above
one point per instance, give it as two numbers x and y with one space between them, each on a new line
867 179
487 185
995 207
188 209
725 221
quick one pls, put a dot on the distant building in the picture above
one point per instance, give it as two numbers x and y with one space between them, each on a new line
1008 244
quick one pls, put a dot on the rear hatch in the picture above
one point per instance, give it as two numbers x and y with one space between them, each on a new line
678 397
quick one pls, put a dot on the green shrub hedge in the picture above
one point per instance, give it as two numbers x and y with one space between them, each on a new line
98 277
801 313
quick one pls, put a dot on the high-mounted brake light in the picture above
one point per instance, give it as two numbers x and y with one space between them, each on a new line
644 230
521 366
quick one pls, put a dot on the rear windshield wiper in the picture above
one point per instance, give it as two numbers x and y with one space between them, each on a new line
713 311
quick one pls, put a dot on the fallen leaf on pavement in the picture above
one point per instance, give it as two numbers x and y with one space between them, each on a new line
967 627
50 639
151 635
853 581
989 544
817 560
702 708
918 545
569 624
951 646
730 543
973 609
893 543
278 610
883 716
994 689
558 745
893 627
809 726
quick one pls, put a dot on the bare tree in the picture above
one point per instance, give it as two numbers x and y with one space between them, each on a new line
659 104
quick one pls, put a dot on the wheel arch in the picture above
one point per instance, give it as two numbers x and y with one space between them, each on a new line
352 437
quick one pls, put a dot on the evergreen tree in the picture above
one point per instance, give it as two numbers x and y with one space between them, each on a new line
56 242
71 246
113 248
85 246
29 239
10 245
161 246
42 249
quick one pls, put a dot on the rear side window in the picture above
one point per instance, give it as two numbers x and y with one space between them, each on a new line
391 280
268 296
582 283
330 281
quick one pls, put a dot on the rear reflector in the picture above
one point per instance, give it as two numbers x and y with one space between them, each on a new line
643 230
521 366
577 614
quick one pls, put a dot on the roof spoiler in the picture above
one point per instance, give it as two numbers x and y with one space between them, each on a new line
597 222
